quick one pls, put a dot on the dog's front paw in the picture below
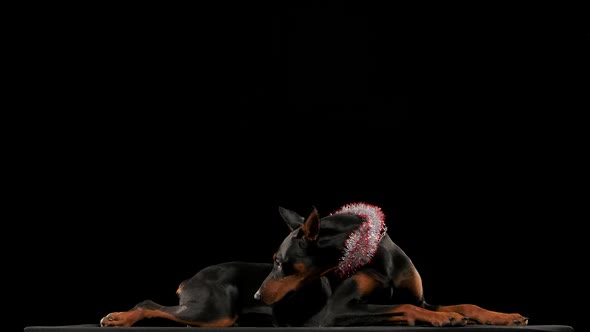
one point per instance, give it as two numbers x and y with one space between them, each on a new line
448 319
507 319
497 318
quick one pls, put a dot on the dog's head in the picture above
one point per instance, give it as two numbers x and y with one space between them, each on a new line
307 253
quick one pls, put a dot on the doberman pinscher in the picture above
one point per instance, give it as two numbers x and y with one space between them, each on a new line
374 282
222 295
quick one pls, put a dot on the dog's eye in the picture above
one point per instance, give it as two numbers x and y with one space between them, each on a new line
279 264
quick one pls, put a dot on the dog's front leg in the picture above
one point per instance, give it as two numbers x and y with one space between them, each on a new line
346 308
480 315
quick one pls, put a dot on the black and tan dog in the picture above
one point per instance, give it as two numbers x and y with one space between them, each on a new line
374 282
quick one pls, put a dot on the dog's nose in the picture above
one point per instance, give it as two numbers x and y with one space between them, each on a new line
257 295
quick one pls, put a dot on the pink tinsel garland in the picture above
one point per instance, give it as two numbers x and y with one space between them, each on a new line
362 243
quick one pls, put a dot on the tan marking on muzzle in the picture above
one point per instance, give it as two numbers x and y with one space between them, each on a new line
273 290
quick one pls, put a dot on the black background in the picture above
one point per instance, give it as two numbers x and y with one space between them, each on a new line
171 137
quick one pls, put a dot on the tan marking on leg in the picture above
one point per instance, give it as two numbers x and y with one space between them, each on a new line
485 316
222 322
411 281
123 318
411 314
366 283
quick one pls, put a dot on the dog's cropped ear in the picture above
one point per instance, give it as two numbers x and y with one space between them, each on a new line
311 226
292 219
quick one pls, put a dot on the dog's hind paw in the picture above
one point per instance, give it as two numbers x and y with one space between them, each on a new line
521 321
119 319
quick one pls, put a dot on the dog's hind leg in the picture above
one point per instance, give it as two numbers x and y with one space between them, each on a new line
191 314
201 304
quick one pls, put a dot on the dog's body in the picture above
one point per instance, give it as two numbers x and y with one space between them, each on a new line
374 282
222 295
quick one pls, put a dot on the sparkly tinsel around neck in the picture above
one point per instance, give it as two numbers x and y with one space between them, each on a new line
362 243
